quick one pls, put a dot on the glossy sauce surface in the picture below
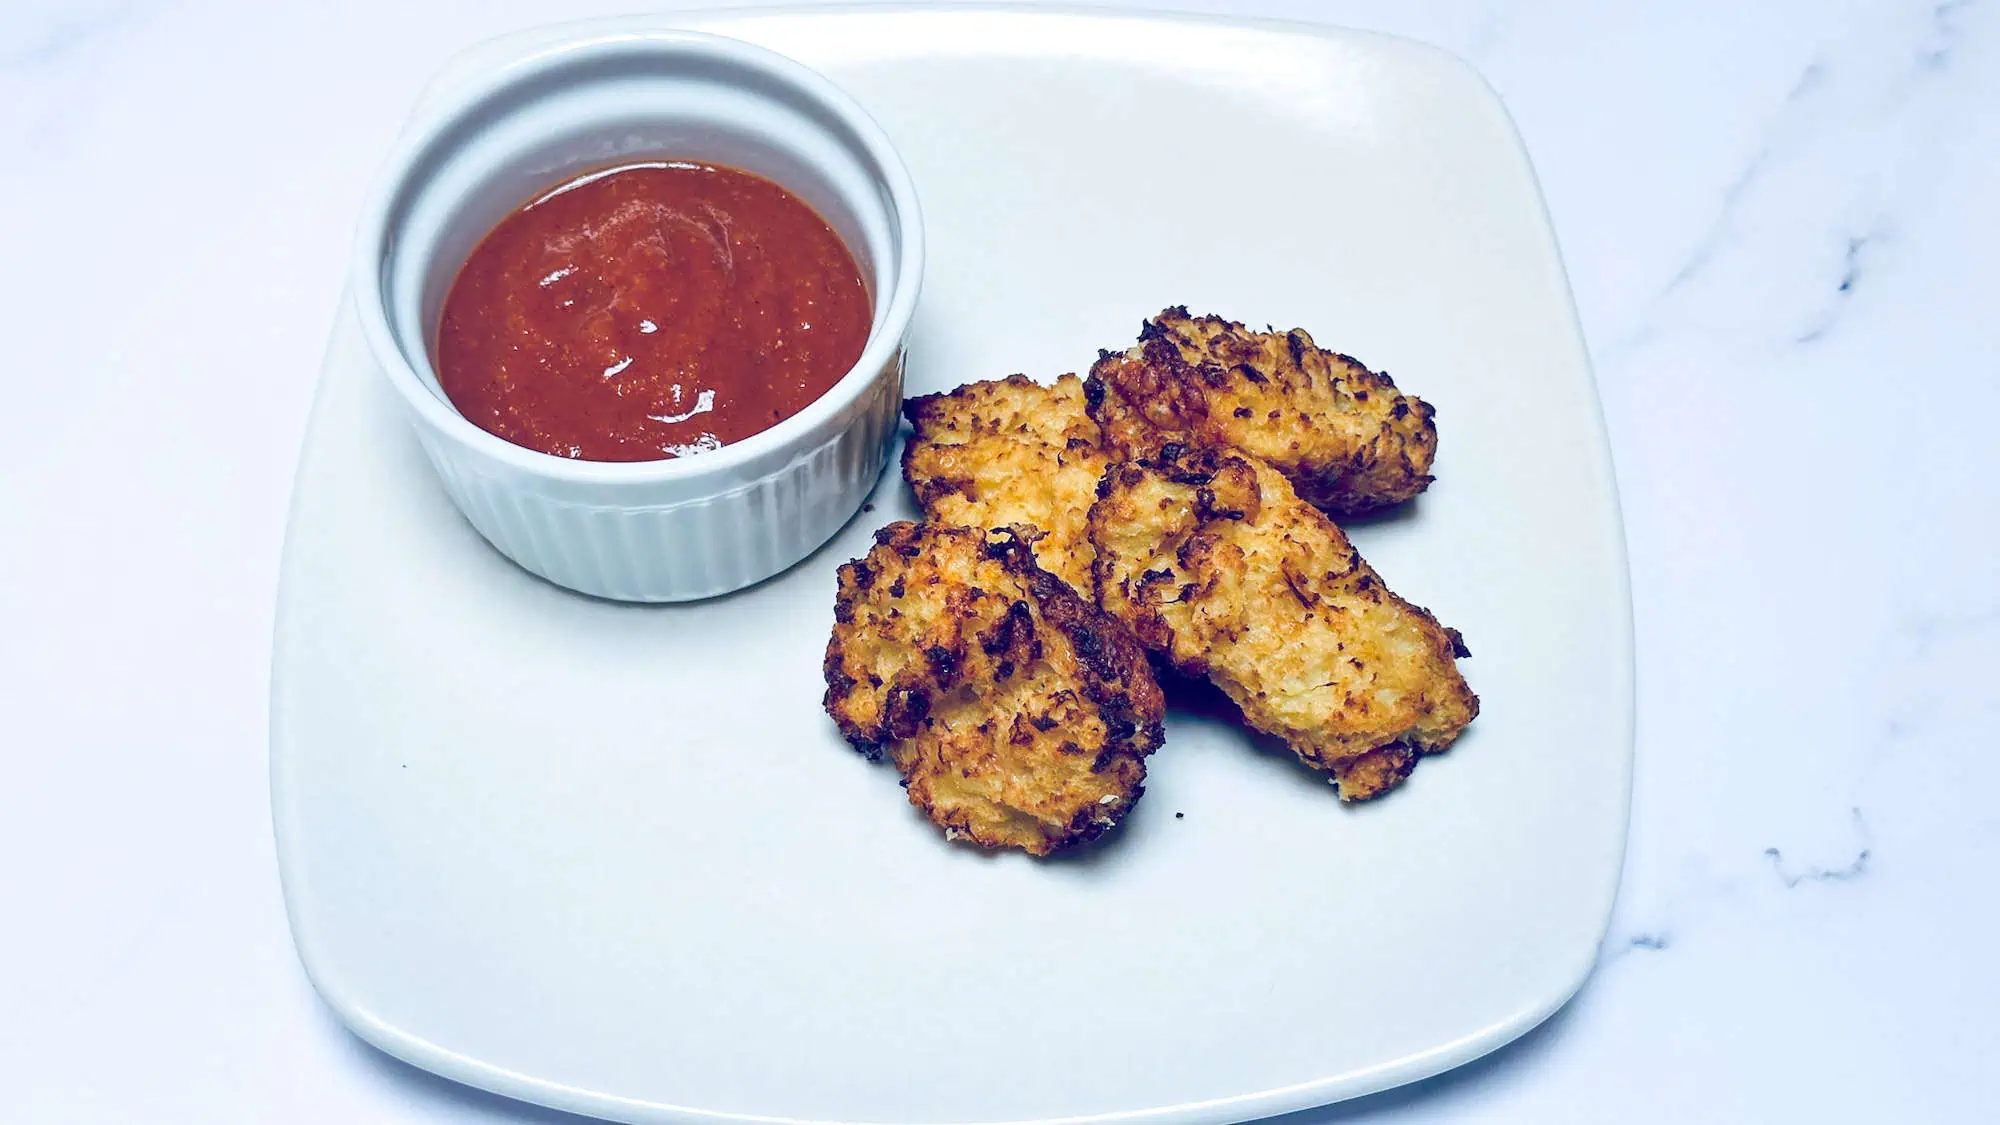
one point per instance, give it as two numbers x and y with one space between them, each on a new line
651 311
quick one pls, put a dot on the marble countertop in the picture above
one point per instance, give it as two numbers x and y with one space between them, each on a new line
1779 224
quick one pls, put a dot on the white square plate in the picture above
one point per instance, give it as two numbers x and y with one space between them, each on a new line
615 859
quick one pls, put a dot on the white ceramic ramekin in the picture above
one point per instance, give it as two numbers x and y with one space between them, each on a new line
667 530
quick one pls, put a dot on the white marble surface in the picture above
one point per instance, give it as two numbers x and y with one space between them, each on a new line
1780 224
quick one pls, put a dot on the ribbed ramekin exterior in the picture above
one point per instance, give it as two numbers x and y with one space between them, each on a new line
659 531
637 551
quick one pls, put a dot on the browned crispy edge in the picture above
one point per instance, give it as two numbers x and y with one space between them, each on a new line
1181 465
1168 375
922 412
1117 678
1372 772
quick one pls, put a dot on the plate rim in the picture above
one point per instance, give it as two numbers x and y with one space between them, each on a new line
427 1055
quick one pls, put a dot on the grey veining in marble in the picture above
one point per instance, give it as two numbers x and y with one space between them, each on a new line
1781 226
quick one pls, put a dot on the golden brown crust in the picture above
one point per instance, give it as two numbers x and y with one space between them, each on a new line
1214 561
1019 714
1010 453
1349 441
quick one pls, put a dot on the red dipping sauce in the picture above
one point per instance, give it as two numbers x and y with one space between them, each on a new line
652 311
